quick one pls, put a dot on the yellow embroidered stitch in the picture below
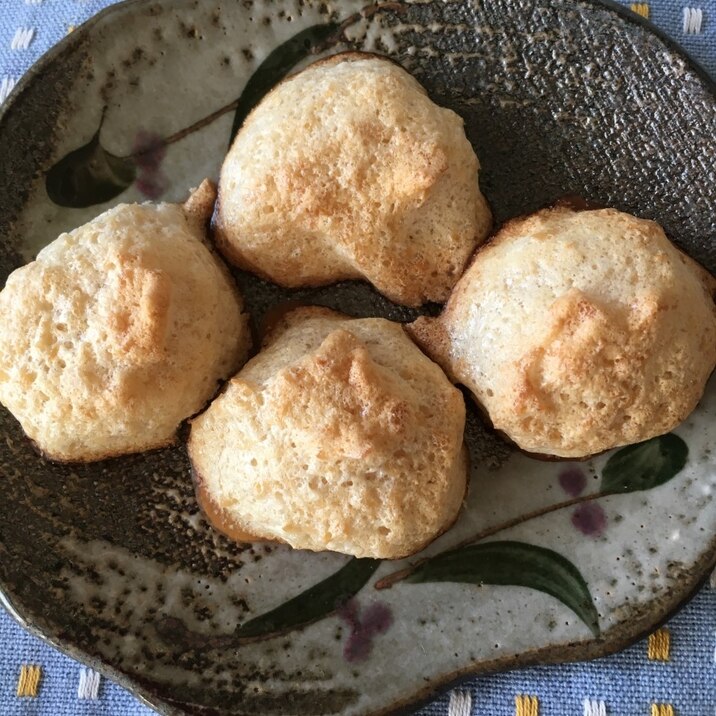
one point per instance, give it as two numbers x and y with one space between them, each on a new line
662 710
528 706
659 645
29 680
70 28
640 8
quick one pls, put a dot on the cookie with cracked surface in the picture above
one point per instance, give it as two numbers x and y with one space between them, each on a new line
579 331
339 435
348 170
120 330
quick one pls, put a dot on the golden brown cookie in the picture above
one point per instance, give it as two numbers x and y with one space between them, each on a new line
119 330
348 170
579 331
339 435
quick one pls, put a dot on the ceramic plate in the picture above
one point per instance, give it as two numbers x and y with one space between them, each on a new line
114 563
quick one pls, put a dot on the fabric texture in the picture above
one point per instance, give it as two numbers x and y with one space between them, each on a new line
679 679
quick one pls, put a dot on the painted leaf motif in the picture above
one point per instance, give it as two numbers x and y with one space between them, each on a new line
89 175
514 563
314 603
276 66
645 465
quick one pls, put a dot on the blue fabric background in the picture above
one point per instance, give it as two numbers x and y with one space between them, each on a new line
628 682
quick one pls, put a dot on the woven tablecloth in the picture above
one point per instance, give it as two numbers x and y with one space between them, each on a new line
673 672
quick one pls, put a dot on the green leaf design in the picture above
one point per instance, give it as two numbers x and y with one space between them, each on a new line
314 603
514 563
89 175
645 465
277 65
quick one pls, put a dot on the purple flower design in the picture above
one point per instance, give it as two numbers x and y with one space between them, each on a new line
589 517
148 151
573 481
376 619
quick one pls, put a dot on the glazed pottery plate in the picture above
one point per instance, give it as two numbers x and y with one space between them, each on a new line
549 561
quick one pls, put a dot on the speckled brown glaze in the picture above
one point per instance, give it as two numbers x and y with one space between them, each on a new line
114 563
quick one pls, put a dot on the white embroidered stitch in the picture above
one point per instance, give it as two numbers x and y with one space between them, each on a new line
592 707
693 17
33 2
88 686
460 703
22 38
6 86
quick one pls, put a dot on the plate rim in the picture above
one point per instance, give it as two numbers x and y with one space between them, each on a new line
75 37
546 656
